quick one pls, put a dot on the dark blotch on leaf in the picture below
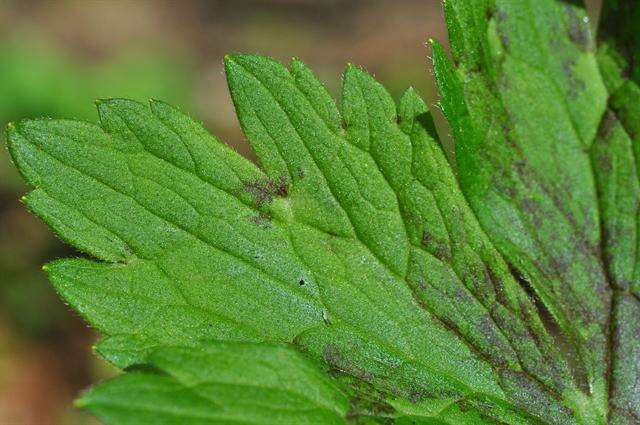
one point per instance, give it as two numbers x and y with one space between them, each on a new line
436 248
260 192
532 209
366 401
500 15
263 219
607 124
500 18
553 328
426 238
331 355
576 85
604 163
334 358
263 191
578 29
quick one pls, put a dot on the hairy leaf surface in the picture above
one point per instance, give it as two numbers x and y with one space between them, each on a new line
551 176
352 276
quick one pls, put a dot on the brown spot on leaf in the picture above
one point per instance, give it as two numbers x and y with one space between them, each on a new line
553 328
435 247
497 283
578 29
426 238
576 85
263 191
604 162
416 396
334 358
331 355
504 38
282 188
263 219
260 192
532 209
607 124
368 401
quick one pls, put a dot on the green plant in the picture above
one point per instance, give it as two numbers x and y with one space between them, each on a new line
353 276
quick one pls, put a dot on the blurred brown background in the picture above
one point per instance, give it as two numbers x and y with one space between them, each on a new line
57 57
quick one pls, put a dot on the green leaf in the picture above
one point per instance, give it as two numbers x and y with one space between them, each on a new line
353 276
552 178
220 383
616 163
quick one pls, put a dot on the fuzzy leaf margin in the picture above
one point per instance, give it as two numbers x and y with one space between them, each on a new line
352 276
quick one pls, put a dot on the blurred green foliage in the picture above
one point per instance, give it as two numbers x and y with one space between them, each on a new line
38 78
